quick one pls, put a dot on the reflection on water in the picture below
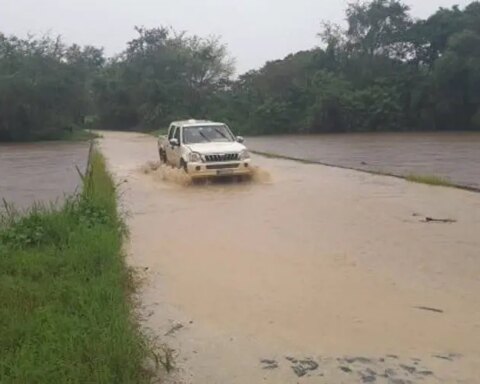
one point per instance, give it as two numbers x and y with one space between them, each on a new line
42 172
455 156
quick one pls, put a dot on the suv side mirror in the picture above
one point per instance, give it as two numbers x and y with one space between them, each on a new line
174 142
240 139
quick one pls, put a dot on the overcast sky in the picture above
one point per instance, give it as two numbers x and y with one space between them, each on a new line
254 30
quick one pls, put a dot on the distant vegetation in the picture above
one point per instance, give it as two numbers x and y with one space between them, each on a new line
383 71
45 87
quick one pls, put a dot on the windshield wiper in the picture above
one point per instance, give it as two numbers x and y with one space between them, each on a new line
222 134
205 137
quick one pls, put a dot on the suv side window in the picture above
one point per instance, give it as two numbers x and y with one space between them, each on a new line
171 131
177 134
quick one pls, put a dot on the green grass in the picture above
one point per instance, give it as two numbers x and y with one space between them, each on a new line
65 309
429 179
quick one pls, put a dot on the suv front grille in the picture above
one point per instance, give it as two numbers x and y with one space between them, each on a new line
217 158
223 166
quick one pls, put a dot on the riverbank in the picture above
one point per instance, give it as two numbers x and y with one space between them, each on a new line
65 307
315 275
432 180
73 135
429 157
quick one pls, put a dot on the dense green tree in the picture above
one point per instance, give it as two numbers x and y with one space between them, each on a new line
43 87
161 76
378 27
383 71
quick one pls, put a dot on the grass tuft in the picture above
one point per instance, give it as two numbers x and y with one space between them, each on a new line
429 179
65 312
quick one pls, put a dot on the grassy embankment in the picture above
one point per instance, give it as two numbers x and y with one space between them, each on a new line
430 180
79 135
414 178
65 311
74 135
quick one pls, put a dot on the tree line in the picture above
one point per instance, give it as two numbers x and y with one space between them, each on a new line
383 71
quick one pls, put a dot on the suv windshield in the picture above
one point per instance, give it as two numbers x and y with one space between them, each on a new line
207 134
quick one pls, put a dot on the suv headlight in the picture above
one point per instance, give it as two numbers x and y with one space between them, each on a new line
194 157
244 155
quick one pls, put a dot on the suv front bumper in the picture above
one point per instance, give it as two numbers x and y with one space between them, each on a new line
227 168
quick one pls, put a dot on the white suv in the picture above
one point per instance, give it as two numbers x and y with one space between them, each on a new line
204 148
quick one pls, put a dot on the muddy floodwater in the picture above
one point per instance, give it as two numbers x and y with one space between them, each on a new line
454 156
307 274
40 172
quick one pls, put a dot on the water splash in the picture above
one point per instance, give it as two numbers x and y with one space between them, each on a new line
166 173
162 172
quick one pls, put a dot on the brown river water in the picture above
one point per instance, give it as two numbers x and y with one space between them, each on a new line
307 274
453 156
46 171
40 172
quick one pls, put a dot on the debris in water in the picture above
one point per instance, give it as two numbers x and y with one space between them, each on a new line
408 368
291 359
361 360
392 356
310 364
430 309
427 219
425 373
368 378
449 357
299 370
269 364
302 367
433 220
174 329
389 372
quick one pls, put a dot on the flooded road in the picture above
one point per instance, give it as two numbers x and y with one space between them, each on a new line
453 155
40 172
312 275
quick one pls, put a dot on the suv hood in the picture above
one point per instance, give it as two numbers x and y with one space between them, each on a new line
210 148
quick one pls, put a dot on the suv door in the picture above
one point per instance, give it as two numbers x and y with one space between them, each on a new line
170 149
176 155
